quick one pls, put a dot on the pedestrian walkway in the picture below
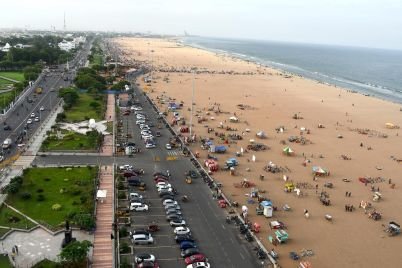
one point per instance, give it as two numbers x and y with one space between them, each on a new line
174 153
24 161
103 244
107 145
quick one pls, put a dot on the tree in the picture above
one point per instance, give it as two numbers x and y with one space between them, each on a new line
69 95
94 105
75 253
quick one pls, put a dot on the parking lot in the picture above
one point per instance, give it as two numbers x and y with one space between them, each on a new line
220 242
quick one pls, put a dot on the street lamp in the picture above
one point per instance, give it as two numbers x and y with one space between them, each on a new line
192 104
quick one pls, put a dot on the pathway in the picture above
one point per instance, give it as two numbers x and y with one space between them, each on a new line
107 146
9 79
103 244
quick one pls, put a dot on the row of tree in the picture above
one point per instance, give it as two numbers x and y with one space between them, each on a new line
43 49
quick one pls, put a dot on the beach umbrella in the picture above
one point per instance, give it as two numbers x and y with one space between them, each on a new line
319 170
288 151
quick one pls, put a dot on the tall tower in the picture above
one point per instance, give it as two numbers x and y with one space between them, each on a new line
64 27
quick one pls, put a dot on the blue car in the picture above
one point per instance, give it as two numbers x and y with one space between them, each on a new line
187 244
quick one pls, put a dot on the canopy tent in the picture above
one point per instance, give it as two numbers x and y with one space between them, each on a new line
233 119
391 126
101 194
288 151
319 171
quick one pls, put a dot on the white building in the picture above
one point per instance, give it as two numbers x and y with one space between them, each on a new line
6 48
66 45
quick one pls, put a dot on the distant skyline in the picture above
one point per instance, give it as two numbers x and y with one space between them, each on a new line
364 23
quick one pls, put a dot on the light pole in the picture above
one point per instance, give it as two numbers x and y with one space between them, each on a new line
192 105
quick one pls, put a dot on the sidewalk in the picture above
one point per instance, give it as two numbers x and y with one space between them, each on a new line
107 148
103 244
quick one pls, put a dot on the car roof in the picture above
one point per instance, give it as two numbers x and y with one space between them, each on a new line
143 255
135 236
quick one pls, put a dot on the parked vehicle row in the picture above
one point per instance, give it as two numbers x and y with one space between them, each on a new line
193 258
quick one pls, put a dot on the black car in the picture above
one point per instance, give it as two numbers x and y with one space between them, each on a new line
189 252
166 197
135 182
192 174
165 193
184 237
136 200
7 127
171 217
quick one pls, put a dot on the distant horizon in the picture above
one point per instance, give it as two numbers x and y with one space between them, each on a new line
207 36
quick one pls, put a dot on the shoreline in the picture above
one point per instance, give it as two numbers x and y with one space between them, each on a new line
259 62
271 101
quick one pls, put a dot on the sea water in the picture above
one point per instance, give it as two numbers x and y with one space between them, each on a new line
376 72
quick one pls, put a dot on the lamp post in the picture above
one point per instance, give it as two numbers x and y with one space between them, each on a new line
192 104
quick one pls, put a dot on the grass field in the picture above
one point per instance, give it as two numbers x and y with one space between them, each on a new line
4 83
19 76
6 98
97 60
5 262
72 188
71 141
9 218
83 111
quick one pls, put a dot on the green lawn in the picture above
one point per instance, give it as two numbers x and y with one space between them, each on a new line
5 262
71 141
72 188
19 76
97 60
6 98
9 218
83 111
4 83
47 264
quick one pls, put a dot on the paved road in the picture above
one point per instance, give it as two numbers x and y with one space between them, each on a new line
50 83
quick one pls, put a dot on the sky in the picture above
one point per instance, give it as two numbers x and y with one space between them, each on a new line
366 23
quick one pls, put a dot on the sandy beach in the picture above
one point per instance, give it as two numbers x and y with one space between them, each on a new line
353 126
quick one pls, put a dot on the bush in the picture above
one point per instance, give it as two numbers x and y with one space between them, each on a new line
40 198
47 179
85 221
39 190
26 196
75 190
71 214
121 186
83 199
56 207
122 195
123 232
124 248
75 203
12 188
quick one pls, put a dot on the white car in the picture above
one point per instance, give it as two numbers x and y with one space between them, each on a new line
162 183
36 119
32 115
143 207
135 195
134 205
169 201
138 122
177 222
164 188
150 145
199 265
144 257
168 146
140 116
145 127
147 136
42 108
169 206
146 132
136 108
125 167
142 239
181 230
29 121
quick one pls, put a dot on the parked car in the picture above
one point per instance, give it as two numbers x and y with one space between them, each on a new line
199 265
142 207
142 239
181 230
36 119
135 195
195 258
187 244
169 196
186 237
165 193
136 108
133 181
164 188
189 252
7 127
169 201
29 121
150 145
148 264
168 146
42 108
125 167
139 231
169 206
143 257
173 217
173 211
141 121
177 222
32 115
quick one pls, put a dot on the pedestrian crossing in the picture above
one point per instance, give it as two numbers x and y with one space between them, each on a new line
24 160
174 153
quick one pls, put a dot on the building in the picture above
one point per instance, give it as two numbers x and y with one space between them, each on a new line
66 45
6 48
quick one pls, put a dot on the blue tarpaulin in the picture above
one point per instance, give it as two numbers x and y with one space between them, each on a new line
266 203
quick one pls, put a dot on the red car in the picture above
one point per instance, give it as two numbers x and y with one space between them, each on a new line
160 180
195 258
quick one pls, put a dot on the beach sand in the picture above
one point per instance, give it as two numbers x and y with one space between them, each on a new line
271 99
